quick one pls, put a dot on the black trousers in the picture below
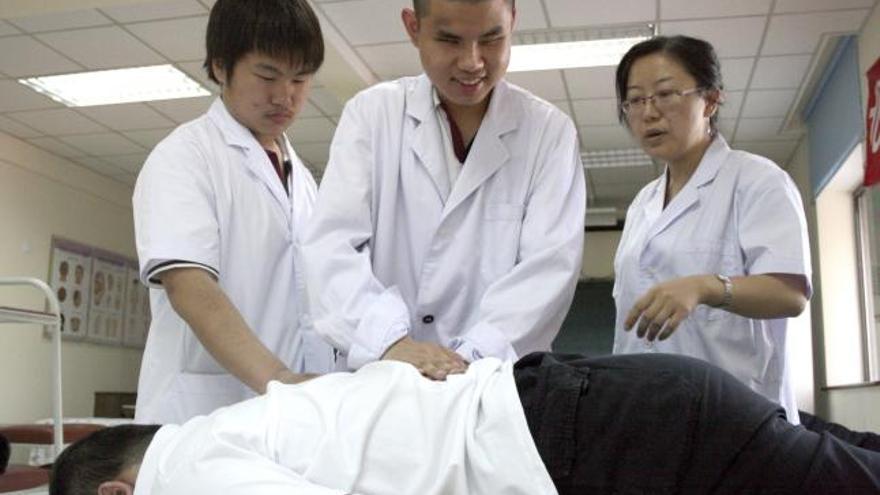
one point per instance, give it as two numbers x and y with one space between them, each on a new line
658 424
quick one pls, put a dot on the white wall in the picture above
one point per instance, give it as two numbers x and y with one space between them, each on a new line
42 195
599 249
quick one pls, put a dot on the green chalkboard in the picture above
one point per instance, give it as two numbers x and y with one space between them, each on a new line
589 326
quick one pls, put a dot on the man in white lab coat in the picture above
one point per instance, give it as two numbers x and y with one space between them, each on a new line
219 207
449 223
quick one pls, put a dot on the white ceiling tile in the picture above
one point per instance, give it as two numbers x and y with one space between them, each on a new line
732 103
731 37
15 96
311 130
326 101
591 82
148 138
735 72
768 103
103 144
17 129
62 20
564 107
688 9
56 147
566 13
606 137
601 112
102 48
727 127
778 151
530 16
177 39
622 175
392 61
98 165
385 25
546 84
154 11
25 56
195 70
764 130
7 29
316 154
801 33
814 5
309 110
125 117
183 109
786 71
131 163
57 121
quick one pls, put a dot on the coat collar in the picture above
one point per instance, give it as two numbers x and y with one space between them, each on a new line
256 159
689 196
488 152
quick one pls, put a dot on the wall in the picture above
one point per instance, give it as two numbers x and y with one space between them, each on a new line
42 195
599 249
856 407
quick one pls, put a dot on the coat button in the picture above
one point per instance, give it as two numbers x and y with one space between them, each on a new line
428 319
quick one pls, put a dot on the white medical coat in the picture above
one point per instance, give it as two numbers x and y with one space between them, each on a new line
383 430
208 195
489 270
739 214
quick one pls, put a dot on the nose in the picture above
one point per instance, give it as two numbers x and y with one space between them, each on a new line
650 112
286 93
470 59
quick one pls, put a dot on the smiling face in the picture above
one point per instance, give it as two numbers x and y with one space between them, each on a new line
675 133
464 47
264 94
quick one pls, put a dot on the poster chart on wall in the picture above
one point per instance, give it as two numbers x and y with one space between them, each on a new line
137 310
101 299
71 279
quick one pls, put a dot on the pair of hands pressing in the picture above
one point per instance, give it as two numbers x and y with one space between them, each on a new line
432 360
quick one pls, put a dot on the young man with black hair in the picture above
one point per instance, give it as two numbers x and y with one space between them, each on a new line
449 224
219 208
550 424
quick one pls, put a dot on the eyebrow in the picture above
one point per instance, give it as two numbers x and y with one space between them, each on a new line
495 31
661 80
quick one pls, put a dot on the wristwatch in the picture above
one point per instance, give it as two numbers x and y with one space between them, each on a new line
727 298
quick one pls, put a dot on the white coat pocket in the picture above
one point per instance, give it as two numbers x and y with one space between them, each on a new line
503 224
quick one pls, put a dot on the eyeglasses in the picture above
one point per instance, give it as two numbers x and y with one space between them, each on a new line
664 99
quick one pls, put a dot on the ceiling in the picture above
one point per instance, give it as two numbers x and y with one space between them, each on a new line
771 54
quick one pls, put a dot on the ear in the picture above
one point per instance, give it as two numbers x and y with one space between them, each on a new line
714 99
115 487
219 71
411 23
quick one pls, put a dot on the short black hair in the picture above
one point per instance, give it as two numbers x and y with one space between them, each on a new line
285 29
696 56
421 6
99 457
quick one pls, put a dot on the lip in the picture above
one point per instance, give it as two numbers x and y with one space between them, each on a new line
652 135
469 85
280 117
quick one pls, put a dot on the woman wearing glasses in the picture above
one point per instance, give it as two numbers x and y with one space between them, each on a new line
714 256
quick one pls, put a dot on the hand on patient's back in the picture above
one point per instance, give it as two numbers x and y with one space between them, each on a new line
662 309
432 360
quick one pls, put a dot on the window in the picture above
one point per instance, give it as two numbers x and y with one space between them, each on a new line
867 211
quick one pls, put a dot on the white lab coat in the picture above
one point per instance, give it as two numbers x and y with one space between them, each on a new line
739 214
489 270
384 430
208 195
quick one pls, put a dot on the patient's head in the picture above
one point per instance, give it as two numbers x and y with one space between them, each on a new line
105 462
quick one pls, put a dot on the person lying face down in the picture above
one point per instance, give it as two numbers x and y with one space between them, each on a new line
550 424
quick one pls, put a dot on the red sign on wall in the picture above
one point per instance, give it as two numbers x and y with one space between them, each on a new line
872 121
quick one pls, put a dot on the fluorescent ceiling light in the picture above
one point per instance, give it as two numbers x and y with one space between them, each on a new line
570 54
108 87
616 158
